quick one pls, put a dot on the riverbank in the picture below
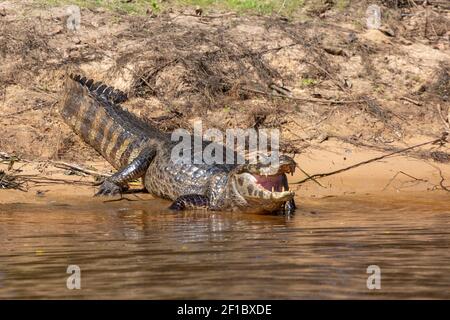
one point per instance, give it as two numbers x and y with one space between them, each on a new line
392 177
338 92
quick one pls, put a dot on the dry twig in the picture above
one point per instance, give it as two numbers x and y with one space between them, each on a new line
65 165
442 139
417 103
404 173
445 122
304 99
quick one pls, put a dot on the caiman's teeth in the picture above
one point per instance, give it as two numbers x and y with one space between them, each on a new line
282 189
273 189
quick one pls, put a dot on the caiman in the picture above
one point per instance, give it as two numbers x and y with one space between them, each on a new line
137 149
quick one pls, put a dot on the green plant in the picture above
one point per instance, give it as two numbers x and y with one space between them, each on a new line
307 82
155 6
342 4
265 7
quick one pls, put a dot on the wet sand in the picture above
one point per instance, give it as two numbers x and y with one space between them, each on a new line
398 175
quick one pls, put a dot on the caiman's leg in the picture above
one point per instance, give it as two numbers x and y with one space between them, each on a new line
118 182
190 201
289 206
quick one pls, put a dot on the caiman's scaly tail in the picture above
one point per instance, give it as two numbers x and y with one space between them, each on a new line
91 109
101 89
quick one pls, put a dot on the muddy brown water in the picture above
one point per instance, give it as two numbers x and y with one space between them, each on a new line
140 250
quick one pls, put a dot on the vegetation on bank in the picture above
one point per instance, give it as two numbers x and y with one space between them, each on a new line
263 7
317 79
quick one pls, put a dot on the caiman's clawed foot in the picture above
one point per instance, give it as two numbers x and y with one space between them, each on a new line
108 188
289 207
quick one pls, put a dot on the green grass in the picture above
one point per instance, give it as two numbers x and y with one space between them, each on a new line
234 5
307 82
264 7
135 7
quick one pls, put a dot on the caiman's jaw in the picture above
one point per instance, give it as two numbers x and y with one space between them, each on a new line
265 185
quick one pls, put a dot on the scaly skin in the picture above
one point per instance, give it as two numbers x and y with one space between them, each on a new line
138 150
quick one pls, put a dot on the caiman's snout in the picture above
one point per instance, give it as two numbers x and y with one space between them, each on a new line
266 184
284 165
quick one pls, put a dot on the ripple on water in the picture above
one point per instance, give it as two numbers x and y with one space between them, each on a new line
138 250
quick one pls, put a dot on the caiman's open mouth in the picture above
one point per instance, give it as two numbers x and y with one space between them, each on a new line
275 182
267 182
271 183
270 187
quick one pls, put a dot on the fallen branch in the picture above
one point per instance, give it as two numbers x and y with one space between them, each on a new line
404 173
11 182
446 122
417 103
309 176
303 99
280 90
19 112
442 139
68 166
45 180
7 157
441 183
355 142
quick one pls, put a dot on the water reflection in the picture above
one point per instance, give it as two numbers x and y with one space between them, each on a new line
141 250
